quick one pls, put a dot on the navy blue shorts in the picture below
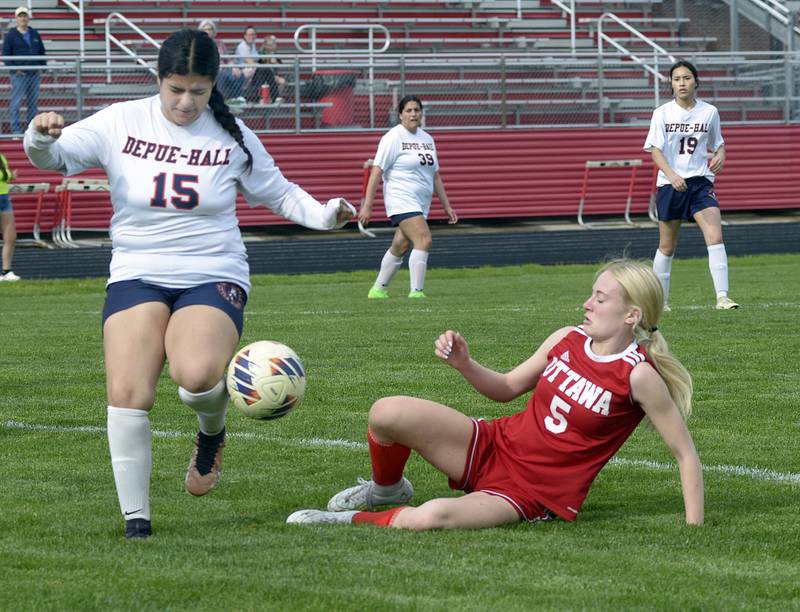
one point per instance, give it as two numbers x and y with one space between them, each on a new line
228 297
5 203
396 219
683 205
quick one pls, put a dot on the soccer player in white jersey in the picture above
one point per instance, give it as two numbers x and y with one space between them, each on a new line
407 162
682 132
179 276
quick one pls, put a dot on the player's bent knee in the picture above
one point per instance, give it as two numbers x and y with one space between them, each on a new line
424 244
383 414
126 396
197 378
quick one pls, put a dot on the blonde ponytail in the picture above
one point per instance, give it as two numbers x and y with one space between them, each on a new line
675 375
643 290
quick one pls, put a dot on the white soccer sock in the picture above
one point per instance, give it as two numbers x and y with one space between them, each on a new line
418 265
387 490
129 440
390 264
211 407
718 264
662 266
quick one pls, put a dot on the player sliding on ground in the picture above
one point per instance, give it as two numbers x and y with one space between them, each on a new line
594 384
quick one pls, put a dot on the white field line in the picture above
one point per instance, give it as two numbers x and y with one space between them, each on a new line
728 470
244 435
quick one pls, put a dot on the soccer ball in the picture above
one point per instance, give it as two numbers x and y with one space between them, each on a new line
266 380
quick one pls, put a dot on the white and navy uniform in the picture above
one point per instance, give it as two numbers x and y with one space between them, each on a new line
409 163
685 137
173 190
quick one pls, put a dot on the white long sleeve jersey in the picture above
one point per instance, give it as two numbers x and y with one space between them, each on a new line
173 190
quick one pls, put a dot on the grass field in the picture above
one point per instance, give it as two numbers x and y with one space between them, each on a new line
61 544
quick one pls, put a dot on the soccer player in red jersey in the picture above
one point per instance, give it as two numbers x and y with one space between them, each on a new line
594 384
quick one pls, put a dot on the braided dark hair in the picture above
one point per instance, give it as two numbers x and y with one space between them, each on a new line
188 52
226 119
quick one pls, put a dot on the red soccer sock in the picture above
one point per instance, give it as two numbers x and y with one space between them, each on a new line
388 460
381 519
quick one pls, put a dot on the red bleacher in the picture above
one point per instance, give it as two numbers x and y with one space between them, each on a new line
488 174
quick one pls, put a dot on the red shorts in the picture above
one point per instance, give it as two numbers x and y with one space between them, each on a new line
483 472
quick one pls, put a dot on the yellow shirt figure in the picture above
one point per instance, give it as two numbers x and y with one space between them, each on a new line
6 175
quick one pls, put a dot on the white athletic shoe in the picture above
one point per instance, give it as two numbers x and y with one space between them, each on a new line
726 303
364 497
9 277
319 517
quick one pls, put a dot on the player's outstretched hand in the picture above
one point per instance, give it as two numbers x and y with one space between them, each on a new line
346 212
49 123
452 348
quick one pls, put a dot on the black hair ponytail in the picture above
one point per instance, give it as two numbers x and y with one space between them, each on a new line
226 119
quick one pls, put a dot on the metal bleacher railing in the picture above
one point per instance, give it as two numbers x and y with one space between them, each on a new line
479 90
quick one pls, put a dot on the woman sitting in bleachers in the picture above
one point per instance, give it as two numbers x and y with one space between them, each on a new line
230 80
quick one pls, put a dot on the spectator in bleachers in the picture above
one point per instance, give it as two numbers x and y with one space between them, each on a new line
23 40
682 132
265 73
179 277
7 224
230 81
247 54
408 163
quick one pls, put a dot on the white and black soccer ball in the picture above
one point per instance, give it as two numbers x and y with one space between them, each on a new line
266 380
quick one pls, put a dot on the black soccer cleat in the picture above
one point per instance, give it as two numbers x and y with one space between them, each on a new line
137 529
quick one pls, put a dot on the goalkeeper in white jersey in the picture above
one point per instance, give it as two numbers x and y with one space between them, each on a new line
687 146
179 277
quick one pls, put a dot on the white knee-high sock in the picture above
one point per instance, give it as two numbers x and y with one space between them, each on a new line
129 440
211 407
662 266
718 264
390 264
417 266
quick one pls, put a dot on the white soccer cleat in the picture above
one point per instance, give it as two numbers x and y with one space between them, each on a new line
726 303
364 497
9 277
320 517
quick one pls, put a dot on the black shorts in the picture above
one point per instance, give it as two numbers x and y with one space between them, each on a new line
683 205
396 219
228 297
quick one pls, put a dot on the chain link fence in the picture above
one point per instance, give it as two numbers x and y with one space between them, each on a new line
486 90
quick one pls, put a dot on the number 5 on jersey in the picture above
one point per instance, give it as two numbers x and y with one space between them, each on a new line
184 197
556 421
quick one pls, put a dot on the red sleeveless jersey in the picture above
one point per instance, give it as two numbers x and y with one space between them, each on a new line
579 415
